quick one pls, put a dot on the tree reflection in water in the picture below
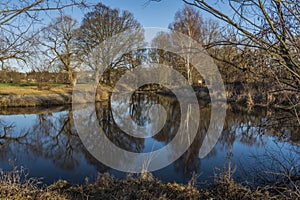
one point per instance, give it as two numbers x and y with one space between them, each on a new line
53 137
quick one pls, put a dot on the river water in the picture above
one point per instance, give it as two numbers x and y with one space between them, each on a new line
254 143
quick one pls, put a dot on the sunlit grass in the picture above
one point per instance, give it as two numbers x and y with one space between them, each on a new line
32 89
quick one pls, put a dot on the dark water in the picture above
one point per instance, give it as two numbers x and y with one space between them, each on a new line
254 142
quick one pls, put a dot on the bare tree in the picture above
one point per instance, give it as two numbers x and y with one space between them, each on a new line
59 40
271 26
101 25
188 21
17 19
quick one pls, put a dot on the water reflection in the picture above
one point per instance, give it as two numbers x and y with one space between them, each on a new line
48 144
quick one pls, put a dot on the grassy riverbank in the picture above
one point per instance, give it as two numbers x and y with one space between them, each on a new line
34 94
13 185
33 89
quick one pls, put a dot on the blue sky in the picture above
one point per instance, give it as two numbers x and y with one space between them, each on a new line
154 14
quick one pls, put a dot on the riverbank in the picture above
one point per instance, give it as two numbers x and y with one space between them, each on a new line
143 187
34 95
34 100
30 96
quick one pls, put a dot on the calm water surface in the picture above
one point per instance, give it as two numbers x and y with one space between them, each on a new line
45 142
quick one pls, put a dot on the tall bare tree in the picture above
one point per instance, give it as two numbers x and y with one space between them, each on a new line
101 24
190 22
59 40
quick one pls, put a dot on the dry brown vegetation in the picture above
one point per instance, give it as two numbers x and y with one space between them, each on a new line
15 185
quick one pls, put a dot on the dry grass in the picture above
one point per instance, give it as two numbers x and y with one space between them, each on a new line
29 89
15 185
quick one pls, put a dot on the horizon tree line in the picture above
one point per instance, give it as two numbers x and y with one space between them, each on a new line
263 50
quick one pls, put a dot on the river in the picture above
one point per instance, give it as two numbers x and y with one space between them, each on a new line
254 143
